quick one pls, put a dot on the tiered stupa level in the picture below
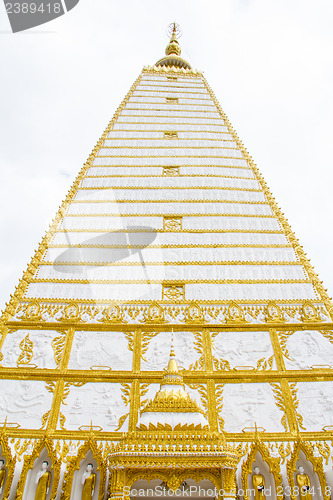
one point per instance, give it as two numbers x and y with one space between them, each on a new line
168 226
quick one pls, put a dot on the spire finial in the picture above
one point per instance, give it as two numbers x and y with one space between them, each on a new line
173 47
173 50
172 349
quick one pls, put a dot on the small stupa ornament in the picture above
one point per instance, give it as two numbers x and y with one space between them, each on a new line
173 50
172 406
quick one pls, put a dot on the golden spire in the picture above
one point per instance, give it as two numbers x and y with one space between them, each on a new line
173 47
173 51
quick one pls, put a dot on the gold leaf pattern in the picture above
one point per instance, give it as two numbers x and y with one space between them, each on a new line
58 344
279 401
26 346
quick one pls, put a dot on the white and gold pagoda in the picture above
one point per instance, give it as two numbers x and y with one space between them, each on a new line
169 230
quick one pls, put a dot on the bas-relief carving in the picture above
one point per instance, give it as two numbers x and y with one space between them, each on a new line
243 348
307 349
100 349
316 404
100 403
247 404
24 402
158 352
43 355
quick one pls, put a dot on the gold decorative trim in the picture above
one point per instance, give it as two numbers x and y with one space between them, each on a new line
257 216
159 281
217 188
187 231
219 200
220 245
168 135
175 156
181 263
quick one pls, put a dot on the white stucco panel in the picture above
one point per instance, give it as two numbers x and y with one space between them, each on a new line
316 404
100 403
100 350
247 404
308 348
24 402
244 349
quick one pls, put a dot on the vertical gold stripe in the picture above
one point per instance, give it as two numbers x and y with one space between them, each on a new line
277 350
57 399
289 407
134 405
137 349
67 349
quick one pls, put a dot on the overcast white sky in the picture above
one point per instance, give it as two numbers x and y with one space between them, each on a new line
270 64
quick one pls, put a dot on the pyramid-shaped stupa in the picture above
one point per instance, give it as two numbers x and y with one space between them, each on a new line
169 333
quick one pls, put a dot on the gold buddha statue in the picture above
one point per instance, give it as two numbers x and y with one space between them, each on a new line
2 475
43 481
304 484
88 481
258 482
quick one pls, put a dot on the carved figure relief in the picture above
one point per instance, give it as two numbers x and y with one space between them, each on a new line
24 402
34 348
244 349
306 349
247 404
105 406
100 349
316 404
